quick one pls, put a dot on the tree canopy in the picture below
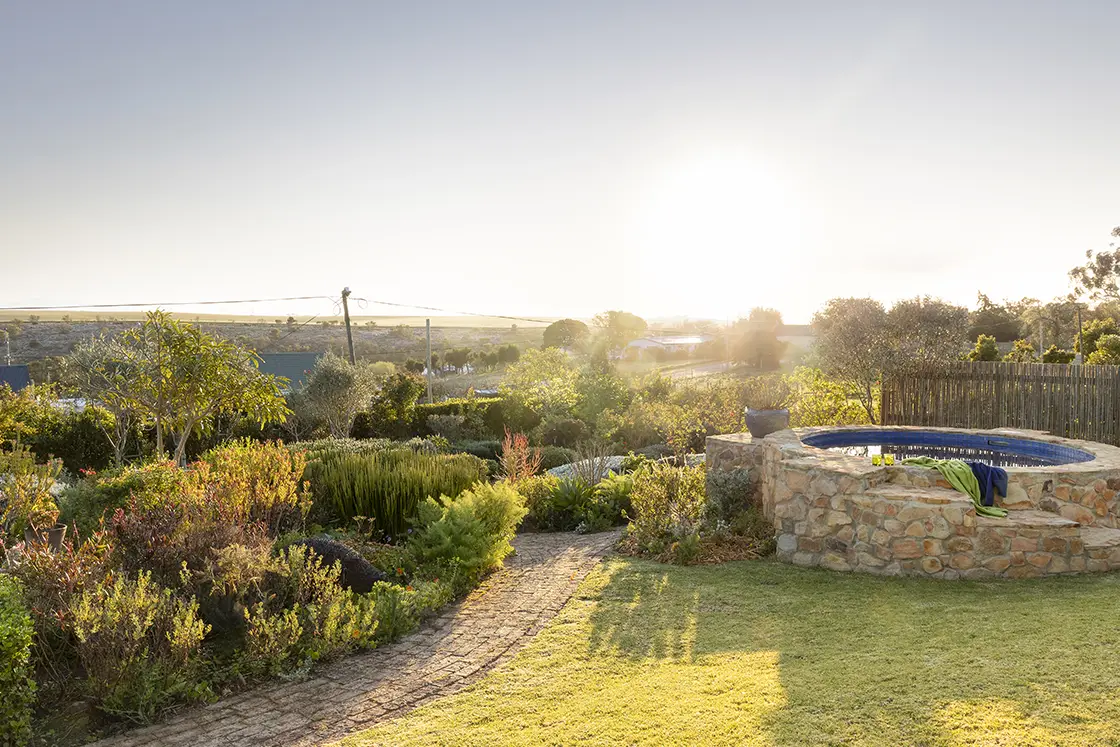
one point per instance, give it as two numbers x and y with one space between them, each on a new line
566 333
1098 277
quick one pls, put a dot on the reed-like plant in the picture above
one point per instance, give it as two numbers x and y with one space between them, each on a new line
387 486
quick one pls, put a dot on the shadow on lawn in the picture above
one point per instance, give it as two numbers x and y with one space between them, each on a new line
870 660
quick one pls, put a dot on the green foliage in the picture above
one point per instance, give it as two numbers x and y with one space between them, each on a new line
618 328
177 378
99 494
1022 352
567 432
669 504
256 483
482 415
599 388
544 381
392 410
336 391
469 534
756 339
1000 321
25 492
1054 354
1098 276
566 333
1093 331
556 456
488 450
1107 351
817 401
769 392
537 493
307 616
139 645
17 688
985 349
387 486
727 492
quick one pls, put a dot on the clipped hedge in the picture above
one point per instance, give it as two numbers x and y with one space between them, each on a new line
488 409
17 689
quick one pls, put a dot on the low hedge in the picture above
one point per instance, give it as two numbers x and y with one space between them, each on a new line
17 689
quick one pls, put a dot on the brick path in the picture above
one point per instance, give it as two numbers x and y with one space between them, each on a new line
445 655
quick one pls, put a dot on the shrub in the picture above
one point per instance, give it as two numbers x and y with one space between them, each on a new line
537 493
387 486
518 460
728 491
668 504
257 483
556 456
51 583
306 616
76 438
139 645
563 432
25 492
17 689
99 495
487 450
482 416
470 533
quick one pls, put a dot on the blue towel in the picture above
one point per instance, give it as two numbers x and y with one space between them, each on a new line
990 478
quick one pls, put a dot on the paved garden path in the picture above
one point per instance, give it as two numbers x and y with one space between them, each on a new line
445 655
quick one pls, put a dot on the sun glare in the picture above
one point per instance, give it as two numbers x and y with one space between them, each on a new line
720 209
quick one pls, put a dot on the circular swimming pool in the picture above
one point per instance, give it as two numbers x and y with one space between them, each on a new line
995 449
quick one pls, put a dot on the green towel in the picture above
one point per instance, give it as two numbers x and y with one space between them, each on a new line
960 477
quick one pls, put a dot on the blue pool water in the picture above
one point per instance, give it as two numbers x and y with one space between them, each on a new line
971 447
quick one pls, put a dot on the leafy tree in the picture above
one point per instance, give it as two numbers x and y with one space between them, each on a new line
414 366
1098 277
820 401
337 390
927 332
566 333
1107 351
103 371
1000 321
985 349
508 354
756 339
854 345
543 381
1092 332
618 328
1054 354
393 405
458 358
1023 352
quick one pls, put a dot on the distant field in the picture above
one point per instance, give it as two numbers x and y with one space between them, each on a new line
461 322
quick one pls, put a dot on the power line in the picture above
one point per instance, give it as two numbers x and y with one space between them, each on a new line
453 311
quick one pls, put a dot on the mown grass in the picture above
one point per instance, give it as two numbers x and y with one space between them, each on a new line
759 653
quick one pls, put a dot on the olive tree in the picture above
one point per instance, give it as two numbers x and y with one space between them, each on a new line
337 390
104 371
853 345
176 378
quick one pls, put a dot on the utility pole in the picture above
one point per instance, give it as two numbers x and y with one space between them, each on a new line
1080 339
428 368
346 318
7 346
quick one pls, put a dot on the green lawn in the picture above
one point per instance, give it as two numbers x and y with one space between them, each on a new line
759 653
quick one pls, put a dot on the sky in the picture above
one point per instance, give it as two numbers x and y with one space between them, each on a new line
553 158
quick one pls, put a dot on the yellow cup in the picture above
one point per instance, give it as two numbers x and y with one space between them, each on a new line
876 459
888 459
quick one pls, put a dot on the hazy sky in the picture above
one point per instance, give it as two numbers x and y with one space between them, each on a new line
561 158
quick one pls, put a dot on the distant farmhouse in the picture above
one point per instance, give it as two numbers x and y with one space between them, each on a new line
295 367
799 338
17 377
678 345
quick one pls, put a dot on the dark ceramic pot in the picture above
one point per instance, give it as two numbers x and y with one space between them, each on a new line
53 537
762 423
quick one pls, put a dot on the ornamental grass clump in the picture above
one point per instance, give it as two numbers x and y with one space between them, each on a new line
387 487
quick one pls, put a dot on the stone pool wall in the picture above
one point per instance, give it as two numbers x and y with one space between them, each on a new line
841 512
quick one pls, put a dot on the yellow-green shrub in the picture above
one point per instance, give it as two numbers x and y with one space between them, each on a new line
17 689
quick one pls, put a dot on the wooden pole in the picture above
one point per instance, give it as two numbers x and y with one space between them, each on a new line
346 318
